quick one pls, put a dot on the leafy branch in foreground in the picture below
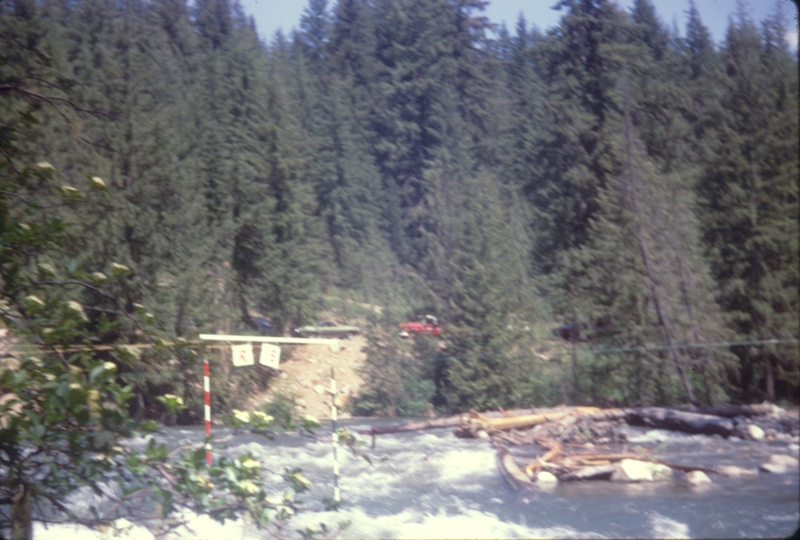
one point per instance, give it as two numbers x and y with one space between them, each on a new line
65 425
64 414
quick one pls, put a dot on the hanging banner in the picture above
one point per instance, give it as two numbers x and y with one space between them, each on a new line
242 355
270 355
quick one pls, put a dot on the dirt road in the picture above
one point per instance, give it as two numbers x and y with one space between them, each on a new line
306 374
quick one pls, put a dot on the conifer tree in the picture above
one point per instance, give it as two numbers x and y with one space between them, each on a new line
750 205
349 188
486 364
646 282
416 129
569 153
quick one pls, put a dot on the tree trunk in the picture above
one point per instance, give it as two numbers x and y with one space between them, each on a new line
769 374
679 421
731 411
576 382
663 320
21 518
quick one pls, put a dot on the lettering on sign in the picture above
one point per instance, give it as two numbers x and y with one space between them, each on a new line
270 355
242 355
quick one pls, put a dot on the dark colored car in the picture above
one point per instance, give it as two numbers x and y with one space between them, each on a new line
263 325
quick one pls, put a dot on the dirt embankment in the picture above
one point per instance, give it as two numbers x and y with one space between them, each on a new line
306 375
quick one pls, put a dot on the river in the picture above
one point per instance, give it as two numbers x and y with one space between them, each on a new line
430 484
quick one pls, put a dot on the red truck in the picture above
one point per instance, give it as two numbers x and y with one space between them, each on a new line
427 325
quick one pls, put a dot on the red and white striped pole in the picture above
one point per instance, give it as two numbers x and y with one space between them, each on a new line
207 398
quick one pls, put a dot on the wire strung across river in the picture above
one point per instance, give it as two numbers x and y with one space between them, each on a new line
698 345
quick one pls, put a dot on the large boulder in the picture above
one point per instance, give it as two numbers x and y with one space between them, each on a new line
632 470
736 472
780 464
697 478
754 432
545 477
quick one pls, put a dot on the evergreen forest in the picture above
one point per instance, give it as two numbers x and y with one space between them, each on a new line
637 180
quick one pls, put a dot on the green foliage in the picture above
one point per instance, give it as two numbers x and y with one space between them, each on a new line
749 202
64 407
282 405
394 153
400 383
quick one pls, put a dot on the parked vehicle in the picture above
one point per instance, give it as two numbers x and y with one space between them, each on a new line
427 325
263 325
327 329
260 325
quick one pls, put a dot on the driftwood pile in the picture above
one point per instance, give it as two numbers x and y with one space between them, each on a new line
570 434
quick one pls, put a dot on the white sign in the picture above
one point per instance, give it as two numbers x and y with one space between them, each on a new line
242 355
270 355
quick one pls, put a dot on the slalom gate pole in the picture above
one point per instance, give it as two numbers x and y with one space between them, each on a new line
335 439
207 400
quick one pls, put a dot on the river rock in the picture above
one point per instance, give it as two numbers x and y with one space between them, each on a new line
631 470
483 435
545 477
779 464
794 448
697 478
736 472
754 432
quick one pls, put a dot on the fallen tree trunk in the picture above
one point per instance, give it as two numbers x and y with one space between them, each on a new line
415 426
493 416
731 411
688 422
594 472
474 423
511 471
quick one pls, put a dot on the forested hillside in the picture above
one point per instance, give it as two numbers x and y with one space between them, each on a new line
638 179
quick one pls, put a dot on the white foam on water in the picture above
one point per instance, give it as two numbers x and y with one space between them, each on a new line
466 523
410 523
79 532
460 465
664 527
654 435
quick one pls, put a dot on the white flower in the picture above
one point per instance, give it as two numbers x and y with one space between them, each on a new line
263 416
97 182
203 481
302 479
69 190
119 269
75 386
248 486
110 366
45 268
242 416
250 464
99 277
77 308
45 166
33 299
